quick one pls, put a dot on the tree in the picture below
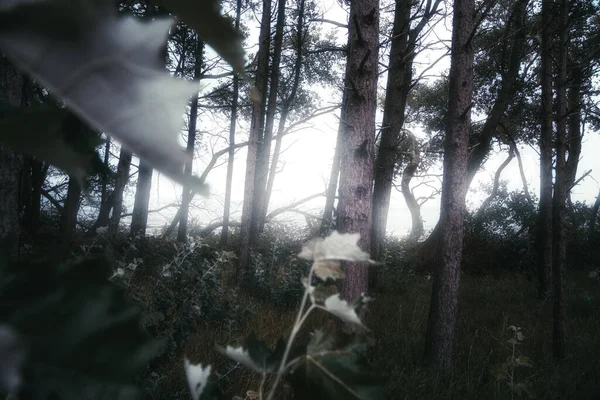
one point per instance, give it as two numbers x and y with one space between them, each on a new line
247 235
68 218
11 163
393 141
139 216
186 196
446 278
260 202
357 152
122 178
544 227
231 152
501 89
559 198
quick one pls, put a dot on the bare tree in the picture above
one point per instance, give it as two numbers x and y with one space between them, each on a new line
446 278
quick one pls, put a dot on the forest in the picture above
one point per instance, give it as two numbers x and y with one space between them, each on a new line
165 234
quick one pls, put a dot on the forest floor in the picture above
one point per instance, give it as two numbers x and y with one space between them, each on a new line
487 307
172 281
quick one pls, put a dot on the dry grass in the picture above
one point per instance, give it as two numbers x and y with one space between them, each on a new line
487 307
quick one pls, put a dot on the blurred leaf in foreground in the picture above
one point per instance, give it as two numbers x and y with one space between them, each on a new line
82 339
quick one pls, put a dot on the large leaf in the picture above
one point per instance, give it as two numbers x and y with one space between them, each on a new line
204 16
335 367
108 69
83 340
53 135
255 354
328 252
202 385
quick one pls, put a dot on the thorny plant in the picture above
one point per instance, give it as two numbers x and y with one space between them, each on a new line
328 366
506 371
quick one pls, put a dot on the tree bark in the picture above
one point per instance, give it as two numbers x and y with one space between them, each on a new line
231 152
186 196
247 236
544 225
11 165
559 198
446 279
264 150
139 216
121 181
496 183
356 172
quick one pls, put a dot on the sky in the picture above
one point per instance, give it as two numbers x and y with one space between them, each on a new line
307 160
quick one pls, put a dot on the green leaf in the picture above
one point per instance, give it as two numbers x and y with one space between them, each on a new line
255 354
204 16
53 135
108 69
83 339
335 367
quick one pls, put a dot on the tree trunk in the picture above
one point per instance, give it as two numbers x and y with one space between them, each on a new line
139 216
393 143
334 174
506 92
398 86
117 195
264 150
575 135
231 153
413 206
247 236
593 217
495 184
544 225
287 105
357 154
559 198
446 279
11 165
69 213
33 206
186 196
332 185
106 197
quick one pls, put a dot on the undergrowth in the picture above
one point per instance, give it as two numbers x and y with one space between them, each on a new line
187 297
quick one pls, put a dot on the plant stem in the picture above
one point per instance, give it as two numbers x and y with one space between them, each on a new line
300 318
